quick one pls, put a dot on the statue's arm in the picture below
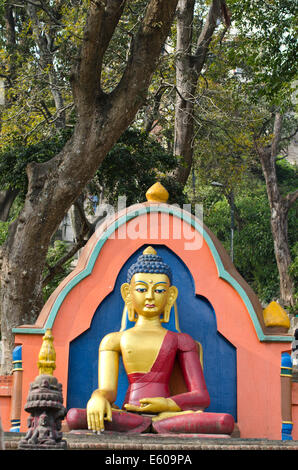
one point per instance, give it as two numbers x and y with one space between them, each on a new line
99 405
197 396
108 366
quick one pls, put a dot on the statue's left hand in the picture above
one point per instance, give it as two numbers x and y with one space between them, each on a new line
153 405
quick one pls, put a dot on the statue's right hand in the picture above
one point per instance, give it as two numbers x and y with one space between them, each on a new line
98 410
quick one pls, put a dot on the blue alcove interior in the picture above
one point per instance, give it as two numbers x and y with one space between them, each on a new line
196 317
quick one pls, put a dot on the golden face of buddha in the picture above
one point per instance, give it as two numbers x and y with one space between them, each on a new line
149 295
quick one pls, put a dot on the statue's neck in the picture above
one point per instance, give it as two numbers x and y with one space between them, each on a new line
148 323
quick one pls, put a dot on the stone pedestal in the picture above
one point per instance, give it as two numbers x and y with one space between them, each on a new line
45 405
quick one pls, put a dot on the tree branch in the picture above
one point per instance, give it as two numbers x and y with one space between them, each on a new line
152 116
87 231
290 136
145 49
278 120
102 19
291 199
45 45
53 270
216 10
80 242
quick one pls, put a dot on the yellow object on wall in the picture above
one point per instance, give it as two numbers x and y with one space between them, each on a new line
47 355
275 315
157 193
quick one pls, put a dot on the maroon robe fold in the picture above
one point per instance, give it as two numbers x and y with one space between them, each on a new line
155 383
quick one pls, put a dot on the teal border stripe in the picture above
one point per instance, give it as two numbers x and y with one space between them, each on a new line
187 217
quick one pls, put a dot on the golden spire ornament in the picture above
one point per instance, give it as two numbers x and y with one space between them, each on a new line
149 251
157 193
47 355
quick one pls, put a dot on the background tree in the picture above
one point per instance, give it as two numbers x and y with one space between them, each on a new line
192 44
246 90
279 208
270 71
253 248
147 161
77 74
101 118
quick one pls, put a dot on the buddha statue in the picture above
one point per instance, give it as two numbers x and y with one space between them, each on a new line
148 352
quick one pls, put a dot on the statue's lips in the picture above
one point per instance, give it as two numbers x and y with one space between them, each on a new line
150 305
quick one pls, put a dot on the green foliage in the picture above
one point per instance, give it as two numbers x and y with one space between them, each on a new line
135 163
265 45
293 270
286 175
253 243
13 214
32 71
294 265
56 251
14 160
3 231
115 58
248 76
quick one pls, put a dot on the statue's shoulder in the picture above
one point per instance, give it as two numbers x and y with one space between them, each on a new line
185 342
111 342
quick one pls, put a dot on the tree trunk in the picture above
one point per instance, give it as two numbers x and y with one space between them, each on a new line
279 207
188 69
54 186
279 227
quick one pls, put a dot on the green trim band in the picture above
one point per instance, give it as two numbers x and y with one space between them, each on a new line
223 274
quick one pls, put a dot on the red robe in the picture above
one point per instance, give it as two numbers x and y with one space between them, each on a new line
155 383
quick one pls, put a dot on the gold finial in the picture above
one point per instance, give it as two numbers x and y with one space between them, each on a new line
149 251
157 193
47 355
275 315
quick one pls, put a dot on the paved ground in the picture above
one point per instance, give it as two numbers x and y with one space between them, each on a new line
152 442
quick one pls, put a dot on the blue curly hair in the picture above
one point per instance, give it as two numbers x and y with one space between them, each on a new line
149 262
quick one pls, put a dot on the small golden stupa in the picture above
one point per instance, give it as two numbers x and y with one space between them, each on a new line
47 355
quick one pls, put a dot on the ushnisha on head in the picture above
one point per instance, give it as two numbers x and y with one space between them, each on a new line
149 262
148 290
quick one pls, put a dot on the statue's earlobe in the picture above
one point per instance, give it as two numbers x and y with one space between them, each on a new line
126 296
125 291
173 294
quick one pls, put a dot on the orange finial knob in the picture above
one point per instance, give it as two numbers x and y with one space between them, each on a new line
157 193
149 251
